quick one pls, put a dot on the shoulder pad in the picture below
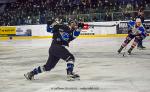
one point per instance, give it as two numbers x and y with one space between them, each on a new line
141 29
131 24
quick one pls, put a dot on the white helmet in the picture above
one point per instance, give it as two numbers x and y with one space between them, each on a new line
138 20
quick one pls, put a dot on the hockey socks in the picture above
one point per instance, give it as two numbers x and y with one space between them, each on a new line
38 70
71 76
70 66
30 75
119 51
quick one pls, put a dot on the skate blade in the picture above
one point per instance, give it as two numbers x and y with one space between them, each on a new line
123 54
73 79
141 48
26 76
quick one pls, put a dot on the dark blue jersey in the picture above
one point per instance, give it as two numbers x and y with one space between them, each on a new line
62 34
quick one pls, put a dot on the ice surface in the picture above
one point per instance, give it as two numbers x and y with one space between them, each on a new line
100 67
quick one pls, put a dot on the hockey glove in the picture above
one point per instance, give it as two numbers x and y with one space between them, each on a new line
81 25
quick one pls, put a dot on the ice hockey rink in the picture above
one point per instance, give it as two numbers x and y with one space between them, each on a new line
97 62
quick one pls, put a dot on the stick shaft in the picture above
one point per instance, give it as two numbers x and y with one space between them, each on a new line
102 25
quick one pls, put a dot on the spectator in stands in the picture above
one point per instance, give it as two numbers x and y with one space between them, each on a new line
38 11
108 17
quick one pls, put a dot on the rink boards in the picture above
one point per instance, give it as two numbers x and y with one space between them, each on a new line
41 37
96 31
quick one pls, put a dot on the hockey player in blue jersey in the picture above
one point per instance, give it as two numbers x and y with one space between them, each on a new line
62 36
136 31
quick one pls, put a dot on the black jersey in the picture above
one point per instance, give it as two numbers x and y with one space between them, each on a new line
62 34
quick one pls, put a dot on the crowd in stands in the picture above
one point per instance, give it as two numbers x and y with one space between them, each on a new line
22 12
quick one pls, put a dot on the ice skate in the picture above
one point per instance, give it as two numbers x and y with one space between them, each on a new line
73 77
29 76
141 47
129 51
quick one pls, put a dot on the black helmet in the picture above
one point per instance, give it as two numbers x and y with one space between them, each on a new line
71 21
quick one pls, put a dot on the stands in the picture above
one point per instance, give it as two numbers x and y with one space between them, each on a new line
26 12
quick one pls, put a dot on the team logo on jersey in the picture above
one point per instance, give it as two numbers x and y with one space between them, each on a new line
65 36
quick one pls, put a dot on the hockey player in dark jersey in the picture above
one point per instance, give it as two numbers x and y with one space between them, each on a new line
62 36
136 30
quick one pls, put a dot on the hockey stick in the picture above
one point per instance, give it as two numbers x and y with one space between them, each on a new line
102 25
